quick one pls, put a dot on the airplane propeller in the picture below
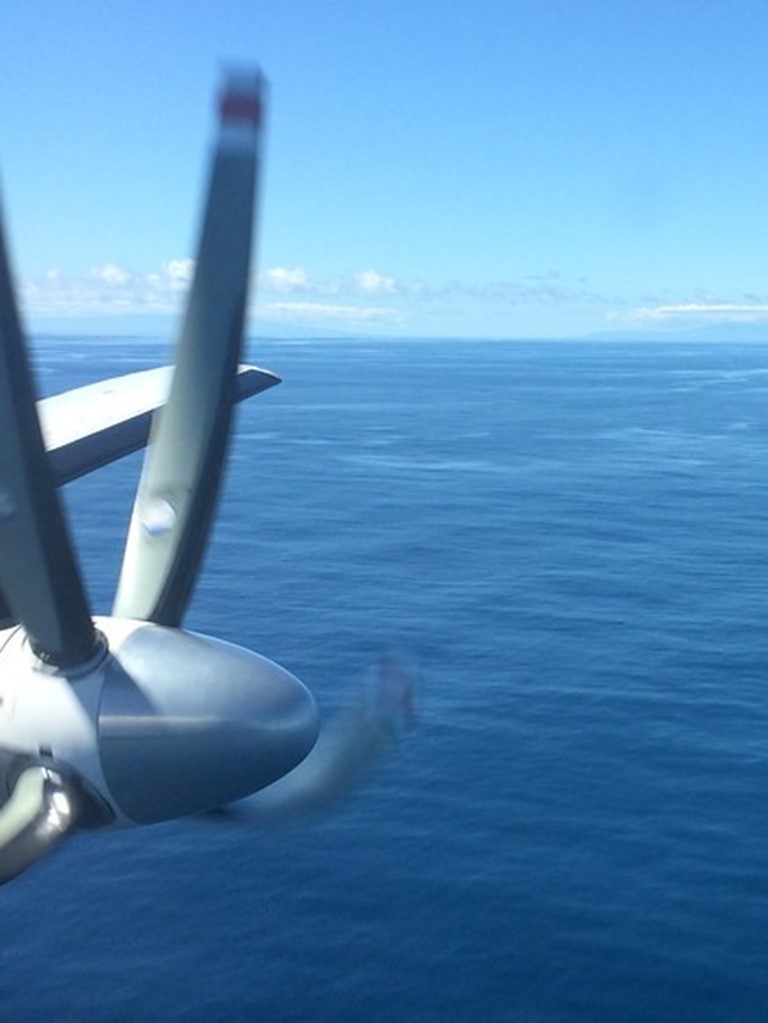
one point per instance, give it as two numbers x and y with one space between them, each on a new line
128 719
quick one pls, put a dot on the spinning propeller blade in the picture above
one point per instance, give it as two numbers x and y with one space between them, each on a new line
39 577
183 467
347 746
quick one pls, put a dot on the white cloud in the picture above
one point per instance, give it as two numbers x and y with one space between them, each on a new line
329 313
365 297
751 312
179 273
109 273
371 282
107 289
283 278
296 279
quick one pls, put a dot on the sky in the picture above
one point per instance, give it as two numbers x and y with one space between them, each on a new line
445 168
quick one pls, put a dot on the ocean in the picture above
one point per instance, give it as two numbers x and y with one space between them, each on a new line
572 541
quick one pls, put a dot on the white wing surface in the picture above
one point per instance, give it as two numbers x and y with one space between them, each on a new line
92 426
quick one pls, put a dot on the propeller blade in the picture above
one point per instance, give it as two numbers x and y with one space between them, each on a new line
184 462
39 578
346 748
41 810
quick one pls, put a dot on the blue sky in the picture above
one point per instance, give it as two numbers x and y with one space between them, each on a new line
499 168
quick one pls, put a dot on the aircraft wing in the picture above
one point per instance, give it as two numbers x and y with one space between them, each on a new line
92 426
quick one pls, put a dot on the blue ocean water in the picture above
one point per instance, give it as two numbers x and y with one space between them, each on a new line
573 539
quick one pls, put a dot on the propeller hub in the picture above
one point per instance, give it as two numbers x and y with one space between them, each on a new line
188 723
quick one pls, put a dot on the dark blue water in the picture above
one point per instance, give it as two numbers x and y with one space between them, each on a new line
573 538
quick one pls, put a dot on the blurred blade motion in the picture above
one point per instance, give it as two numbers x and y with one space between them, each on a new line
347 747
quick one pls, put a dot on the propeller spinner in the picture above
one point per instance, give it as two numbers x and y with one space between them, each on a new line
129 719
